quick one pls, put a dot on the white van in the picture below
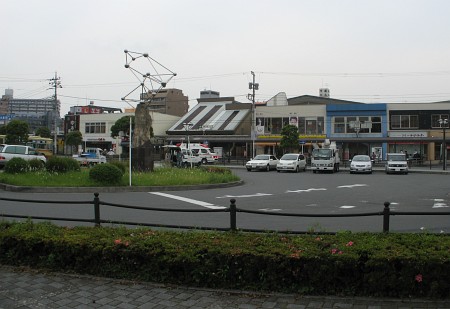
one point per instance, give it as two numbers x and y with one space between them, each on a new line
203 151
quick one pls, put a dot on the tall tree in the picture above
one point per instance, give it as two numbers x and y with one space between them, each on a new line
43 132
74 139
122 124
16 132
289 138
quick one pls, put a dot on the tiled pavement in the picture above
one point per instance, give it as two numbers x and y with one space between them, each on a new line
25 288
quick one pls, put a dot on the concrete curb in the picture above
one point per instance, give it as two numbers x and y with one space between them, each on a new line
27 189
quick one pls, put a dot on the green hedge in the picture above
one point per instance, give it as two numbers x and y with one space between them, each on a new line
365 264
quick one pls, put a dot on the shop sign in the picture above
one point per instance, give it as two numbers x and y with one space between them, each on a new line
412 134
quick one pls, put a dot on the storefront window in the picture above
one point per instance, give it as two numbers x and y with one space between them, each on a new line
435 120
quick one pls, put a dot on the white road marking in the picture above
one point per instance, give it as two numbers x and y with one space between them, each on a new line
352 186
188 200
248 195
311 205
270 209
439 203
347 207
307 190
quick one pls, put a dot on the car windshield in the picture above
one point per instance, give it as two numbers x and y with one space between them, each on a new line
322 153
397 157
261 157
292 157
361 158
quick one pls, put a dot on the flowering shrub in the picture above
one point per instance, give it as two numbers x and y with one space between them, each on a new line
17 166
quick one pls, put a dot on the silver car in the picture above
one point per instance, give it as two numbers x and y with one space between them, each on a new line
264 162
361 164
292 162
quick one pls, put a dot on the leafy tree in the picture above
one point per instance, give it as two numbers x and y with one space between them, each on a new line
3 130
43 132
122 124
74 138
16 132
289 138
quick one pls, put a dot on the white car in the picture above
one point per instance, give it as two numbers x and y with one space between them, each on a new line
361 164
293 162
396 163
264 162
7 152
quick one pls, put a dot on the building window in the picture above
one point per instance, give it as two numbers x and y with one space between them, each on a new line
404 122
95 127
435 120
339 124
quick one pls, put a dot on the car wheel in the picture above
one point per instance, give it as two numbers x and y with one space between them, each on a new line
297 169
267 168
204 161
278 171
249 169
314 171
304 168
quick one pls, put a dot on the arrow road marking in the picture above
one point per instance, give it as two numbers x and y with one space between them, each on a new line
307 190
188 200
352 186
439 203
248 195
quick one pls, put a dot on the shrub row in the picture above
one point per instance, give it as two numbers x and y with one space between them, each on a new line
397 265
109 173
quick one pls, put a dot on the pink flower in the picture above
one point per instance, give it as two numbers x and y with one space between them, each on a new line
340 252
419 278
318 239
334 251
349 244
117 241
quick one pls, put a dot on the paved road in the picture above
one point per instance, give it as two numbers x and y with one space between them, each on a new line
24 288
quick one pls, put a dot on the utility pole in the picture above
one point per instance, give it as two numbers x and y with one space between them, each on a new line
253 86
55 82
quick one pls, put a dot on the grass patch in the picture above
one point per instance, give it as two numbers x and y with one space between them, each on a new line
159 177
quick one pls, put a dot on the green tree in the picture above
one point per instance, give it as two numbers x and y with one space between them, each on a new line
74 139
16 132
289 138
43 132
3 130
122 124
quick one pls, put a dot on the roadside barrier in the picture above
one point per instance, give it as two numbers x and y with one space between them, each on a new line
233 210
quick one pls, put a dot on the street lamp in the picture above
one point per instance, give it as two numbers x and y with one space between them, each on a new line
187 127
443 124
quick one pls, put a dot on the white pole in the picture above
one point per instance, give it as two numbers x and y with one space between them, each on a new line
129 152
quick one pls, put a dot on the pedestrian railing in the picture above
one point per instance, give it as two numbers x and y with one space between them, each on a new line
233 210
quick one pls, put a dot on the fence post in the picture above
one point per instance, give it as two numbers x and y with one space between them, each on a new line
233 215
386 213
96 209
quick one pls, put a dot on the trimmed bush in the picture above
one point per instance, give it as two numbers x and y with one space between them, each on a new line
36 165
57 164
17 166
121 165
106 173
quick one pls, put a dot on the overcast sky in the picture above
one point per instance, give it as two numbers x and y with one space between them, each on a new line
367 51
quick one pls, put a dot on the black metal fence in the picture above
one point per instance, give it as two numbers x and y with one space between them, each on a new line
233 210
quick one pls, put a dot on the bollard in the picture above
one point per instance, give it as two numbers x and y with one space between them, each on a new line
386 213
96 209
233 215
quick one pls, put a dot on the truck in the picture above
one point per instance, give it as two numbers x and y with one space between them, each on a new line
90 157
202 150
325 158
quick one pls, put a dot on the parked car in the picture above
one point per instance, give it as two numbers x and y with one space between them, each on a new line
396 163
7 152
361 164
292 162
262 162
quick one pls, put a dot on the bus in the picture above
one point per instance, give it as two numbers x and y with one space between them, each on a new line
43 145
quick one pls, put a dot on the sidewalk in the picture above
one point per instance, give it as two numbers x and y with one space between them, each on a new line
25 288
